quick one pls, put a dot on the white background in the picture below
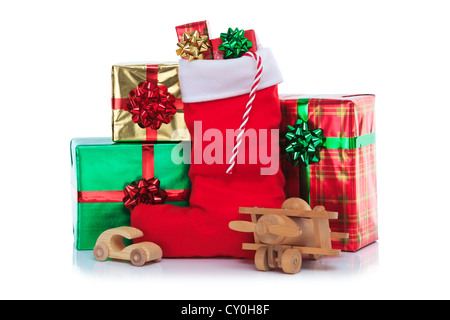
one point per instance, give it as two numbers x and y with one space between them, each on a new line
56 58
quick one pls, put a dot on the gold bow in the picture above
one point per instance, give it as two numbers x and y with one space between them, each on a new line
192 46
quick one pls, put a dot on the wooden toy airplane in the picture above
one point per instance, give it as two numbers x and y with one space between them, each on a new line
282 235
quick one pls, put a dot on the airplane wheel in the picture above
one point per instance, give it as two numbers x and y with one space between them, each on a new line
138 257
261 259
101 252
291 261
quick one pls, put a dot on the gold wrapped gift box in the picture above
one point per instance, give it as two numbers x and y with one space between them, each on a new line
126 78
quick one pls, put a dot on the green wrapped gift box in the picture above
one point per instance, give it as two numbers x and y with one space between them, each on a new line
102 169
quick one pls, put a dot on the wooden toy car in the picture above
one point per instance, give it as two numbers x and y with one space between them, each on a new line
110 245
283 235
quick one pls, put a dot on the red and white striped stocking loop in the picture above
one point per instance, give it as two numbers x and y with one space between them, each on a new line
248 108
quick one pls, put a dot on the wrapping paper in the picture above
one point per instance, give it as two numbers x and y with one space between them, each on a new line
344 180
102 169
202 27
126 78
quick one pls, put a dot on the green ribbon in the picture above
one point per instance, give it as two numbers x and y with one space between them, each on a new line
349 143
234 43
312 142
302 109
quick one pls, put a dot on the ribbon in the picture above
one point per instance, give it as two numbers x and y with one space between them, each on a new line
234 44
151 105
303 145
193 45
349 143
173 195
144 191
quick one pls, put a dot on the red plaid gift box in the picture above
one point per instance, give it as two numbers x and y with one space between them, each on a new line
344 179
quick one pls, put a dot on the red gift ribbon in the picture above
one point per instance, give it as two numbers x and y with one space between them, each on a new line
148 172
121 103
117 196
151 105
144 191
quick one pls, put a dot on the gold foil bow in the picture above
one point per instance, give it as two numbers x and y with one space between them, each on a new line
193 45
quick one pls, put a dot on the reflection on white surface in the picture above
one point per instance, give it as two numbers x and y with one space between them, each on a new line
348 263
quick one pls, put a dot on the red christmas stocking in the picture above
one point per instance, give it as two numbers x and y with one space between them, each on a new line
215 94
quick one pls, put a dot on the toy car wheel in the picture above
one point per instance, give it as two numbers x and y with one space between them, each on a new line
101 252
138 257
261 259
291 261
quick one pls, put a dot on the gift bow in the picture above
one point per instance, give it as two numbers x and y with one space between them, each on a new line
193 45
144 191
151 105
303 145
234 44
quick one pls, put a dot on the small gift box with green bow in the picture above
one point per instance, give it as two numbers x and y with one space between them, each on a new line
109 179
328 158
234 43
